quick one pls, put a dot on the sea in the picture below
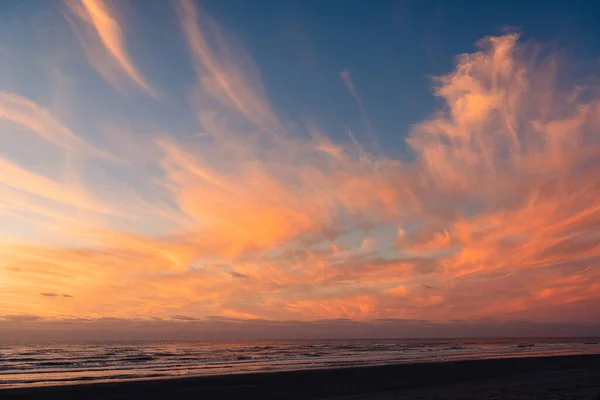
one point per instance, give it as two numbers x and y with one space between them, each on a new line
58 363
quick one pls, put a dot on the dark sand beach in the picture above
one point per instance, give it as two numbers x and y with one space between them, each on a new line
564 377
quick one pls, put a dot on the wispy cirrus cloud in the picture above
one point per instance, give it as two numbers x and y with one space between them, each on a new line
23 112
24 181
225 71
101 35
347 79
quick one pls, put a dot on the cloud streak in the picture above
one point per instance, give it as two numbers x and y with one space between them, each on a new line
23 112
219 68
101 28
347 79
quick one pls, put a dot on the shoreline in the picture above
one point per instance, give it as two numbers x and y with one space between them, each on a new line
335 382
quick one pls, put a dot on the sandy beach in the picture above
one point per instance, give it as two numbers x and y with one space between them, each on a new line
565 377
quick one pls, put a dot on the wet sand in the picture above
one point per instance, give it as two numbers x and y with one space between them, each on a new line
565 377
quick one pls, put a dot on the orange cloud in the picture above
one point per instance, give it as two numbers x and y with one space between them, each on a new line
399 290
99 27
22 180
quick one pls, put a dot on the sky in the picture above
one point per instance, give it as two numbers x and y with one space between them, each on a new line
299 168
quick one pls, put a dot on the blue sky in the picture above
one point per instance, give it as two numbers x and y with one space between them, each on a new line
392 49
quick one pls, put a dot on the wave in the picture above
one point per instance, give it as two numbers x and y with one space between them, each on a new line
525 346
18 359
140 358
54 363
73 362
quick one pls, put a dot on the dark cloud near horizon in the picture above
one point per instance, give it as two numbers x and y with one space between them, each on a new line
181 327
239 275
52 294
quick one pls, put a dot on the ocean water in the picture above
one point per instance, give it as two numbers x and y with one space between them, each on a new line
29 364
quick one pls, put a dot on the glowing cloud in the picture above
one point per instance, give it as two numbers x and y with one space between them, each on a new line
100 23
